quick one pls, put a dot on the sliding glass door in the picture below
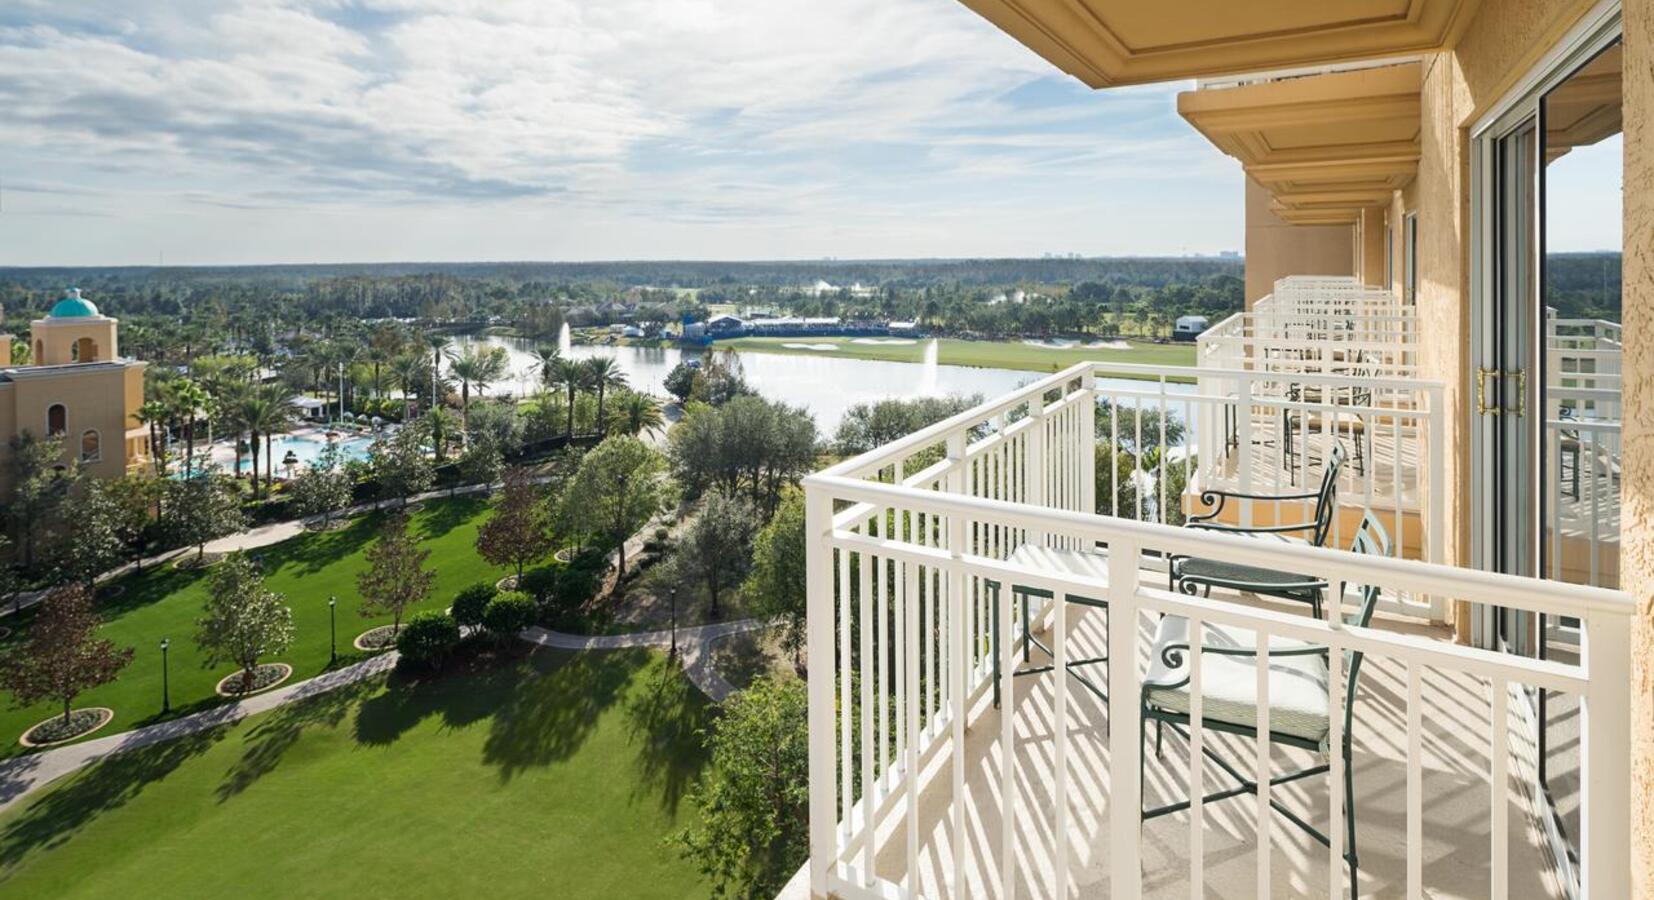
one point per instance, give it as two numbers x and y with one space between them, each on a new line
1546 378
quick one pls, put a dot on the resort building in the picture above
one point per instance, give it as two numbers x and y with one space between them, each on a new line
1362 613
75 386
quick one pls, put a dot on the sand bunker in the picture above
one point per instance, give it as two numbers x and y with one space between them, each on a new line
811 346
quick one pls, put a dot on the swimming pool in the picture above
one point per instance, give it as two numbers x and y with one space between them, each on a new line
306 449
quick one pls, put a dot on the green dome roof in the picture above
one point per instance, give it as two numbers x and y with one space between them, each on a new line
73 306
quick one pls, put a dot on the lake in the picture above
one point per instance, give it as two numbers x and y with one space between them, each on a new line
826 385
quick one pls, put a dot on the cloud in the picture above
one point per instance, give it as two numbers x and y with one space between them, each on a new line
783 111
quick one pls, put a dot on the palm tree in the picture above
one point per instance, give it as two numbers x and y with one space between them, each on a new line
264 412
476 367
438 345
546 360
636 413
603 372
571 375
154 413
189 400
407 370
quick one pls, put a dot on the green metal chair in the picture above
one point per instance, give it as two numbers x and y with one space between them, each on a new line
1189 574
1299 691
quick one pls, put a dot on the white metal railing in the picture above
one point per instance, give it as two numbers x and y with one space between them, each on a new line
1583 411
903 544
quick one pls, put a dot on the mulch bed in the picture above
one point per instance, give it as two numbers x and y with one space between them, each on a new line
265 677
81 722
376 639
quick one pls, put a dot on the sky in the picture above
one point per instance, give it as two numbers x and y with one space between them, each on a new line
207 132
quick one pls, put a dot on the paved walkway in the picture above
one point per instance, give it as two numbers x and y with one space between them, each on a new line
695 643
22 775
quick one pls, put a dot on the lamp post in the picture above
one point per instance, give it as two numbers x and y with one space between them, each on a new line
166 686
332 630
674 595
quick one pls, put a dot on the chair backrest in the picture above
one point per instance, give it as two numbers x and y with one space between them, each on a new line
1370 539
1326 499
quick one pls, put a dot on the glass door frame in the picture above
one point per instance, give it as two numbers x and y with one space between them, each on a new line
1504 535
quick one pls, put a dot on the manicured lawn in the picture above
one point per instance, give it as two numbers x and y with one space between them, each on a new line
554 776
984 354
165 602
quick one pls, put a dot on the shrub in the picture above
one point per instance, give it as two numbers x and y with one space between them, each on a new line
508 613
428 638
471 601
539 583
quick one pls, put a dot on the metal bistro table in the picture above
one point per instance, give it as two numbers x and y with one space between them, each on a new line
1085 563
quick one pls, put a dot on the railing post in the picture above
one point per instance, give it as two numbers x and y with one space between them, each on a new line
1243 437
1436 502
1033 470
1087 456
819 612
957 612
1125 716
1605 753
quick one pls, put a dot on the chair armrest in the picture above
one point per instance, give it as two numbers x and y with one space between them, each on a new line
1208 525
1172 654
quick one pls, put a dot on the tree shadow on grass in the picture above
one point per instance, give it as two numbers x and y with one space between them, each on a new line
62 811
666 717
442 516
474 689
311 552
267 742
547 719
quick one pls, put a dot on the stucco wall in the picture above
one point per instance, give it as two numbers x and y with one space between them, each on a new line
1637 483
1275 248
1372 246
95 400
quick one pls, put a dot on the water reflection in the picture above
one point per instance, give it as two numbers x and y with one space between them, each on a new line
826 385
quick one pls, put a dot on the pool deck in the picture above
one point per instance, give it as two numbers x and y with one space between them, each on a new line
222 451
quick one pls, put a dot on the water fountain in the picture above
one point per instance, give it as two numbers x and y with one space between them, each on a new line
563 340
928 378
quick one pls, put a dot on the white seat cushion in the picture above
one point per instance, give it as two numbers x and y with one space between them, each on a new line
1229 684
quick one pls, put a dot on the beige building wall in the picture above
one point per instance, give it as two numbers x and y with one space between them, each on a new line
1637 505
1371 230
56 341
94 400
1275 248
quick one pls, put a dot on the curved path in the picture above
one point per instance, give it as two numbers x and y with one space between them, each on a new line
695 643
19 776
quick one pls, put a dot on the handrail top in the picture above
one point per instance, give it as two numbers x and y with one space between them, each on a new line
1449 580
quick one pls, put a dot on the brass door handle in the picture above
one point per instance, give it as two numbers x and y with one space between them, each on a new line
1484 408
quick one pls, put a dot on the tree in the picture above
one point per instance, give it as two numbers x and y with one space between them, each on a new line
324 487
570 375
398 465
748 445
264 412
754 806
428 639
482 462
620 484
476 367
200 510
94 523
242 620
518 532
869 425
39 485
776 587
63 655
635 414
395 578
680 382
716 549
602 373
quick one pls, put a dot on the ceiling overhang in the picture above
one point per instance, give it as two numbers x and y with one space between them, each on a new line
1325 146
1116 42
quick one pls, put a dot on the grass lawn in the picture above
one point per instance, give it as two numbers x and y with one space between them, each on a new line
165 602
984 354
556 775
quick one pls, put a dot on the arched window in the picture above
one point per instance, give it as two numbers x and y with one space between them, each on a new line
91 447
84 350
57 420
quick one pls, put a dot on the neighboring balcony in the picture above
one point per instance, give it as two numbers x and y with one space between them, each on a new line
949 759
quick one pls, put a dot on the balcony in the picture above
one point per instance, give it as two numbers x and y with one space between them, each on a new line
951 755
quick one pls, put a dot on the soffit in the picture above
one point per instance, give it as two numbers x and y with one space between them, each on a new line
1115 42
